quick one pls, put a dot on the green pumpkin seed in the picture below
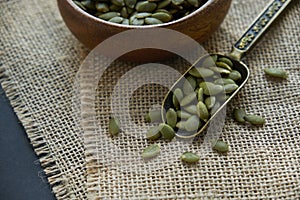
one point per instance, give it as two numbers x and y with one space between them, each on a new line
130 10
152 21
215 108
109 15
171 117
177 2
124 12
224 81
167 131
115 8
223 65
255 120
229 88
210 102
153 133
201 72
117 20
183 115
114 126
202 111
151 151
188 99
142 15
119 3
80 5
189 85
192 124
181 125
194 3
102 7
277 73
208 61
177 97
145 6
239 115
210 88
135 21
153 116
221 147
162 16
125 22
163 4
220 70
88 4
200 96
192 109
130 3
235 75
226 60
189 157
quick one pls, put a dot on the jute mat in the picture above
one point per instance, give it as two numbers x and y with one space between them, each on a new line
38 66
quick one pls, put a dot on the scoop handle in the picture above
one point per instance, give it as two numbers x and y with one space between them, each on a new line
257 28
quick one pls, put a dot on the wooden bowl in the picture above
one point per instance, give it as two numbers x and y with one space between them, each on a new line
91 30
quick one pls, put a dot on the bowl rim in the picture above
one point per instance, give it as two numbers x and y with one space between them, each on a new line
86 14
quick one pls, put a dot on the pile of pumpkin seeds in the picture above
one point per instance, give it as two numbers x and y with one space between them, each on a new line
139 12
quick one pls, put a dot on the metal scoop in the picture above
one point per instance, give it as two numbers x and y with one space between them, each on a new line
239 49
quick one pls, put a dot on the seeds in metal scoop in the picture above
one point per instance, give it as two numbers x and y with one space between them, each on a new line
189 157
171 117
189 85
235 75
221 147
277 73
201 72
152 21
229 88
202 111
239 115
145 6
255 120
183 115
153 133
188 99
167 131
226 60
151 151
210 88
114 126
109 15
153 116
210 102
192 124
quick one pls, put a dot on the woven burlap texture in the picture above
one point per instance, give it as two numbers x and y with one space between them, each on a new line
39 62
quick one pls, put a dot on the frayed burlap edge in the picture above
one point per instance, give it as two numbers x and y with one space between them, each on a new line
55 178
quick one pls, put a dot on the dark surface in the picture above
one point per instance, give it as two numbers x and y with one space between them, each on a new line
21 176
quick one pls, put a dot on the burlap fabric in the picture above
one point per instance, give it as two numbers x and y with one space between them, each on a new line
39 62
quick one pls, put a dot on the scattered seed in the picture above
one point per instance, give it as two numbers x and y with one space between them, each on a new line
167 131
189 157
114 126
239 115
255 120
151 151
153 133
221 147
153 116
277 73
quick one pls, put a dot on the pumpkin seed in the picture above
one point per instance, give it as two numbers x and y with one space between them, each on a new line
235 75
153 116
188 99
151 151
88 4
239 115
277 73
135 21
153 133
255 120
181 125
125 22
183 115
142 15
177 97
145 6
220 70
167 131
215 108
152 21
162 16
130 3
208 61
202 111
102 7
80 5
109 15
210 88
114 126
192 109
223 65
177 2
163 4
210 102
194 3
171 117
221 147
229 88
192 124
189 157
115 8
124 12
224 81
189 85
117 20
119 3
226 60
201 72
200 96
